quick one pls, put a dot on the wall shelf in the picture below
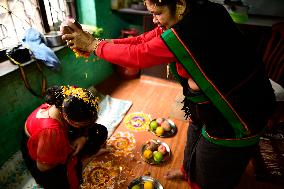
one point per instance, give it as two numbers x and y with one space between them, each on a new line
133 11
256 20
267 21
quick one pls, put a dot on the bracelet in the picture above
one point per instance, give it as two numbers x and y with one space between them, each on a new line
97 44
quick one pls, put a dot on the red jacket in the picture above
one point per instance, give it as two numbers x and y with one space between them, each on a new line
145 50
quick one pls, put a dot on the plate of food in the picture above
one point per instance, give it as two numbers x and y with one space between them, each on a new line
155 152
162 127
145 182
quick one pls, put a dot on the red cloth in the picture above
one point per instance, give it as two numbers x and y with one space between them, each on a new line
143 51
72 175
48 143
192 185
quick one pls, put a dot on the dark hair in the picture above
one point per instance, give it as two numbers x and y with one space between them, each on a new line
172 3
77 103
77 110
54 96
169 3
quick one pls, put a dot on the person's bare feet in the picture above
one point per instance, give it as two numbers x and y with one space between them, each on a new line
174 174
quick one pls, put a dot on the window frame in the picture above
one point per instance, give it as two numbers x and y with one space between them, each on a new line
5 65
49 19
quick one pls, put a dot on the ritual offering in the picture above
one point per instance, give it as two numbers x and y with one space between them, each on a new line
145 182
122 144
137 121
162 127
155 152
103 175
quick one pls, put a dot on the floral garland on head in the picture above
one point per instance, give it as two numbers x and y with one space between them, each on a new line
82 94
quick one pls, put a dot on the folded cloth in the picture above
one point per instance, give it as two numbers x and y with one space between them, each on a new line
34 40
112 111
278 90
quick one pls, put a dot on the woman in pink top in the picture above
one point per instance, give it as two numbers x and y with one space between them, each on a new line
59 133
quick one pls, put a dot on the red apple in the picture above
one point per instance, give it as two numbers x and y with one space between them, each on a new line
152 146
166 126
159 120
162 149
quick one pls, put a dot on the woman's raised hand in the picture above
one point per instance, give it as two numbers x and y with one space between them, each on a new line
76 37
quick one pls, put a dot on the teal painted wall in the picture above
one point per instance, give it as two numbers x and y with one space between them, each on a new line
113 22
17 103
86 12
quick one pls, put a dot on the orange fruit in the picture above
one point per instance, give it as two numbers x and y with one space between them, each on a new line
148 185
147 154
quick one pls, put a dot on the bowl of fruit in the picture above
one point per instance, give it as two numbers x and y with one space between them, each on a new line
155 152
162 127
145 182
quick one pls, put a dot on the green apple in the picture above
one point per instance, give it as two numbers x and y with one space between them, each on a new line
158 157
135 187
153 125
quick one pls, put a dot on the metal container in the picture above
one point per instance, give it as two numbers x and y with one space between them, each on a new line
53 39
3 56
140 182
166 134
151 161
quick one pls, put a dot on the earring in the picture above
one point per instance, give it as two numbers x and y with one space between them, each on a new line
180 11
180 17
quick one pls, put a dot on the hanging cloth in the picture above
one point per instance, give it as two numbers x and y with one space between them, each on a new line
34 40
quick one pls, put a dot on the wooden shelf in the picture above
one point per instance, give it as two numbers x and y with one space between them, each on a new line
133 11
256 20
267 21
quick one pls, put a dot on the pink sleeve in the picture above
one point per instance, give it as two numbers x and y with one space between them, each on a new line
147 54
53 147
141 38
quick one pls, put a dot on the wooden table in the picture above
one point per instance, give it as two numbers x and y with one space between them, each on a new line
161 98
148 98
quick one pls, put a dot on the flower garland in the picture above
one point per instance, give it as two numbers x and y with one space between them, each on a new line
82 94
122 144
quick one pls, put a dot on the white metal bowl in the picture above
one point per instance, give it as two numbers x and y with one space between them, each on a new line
53 39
